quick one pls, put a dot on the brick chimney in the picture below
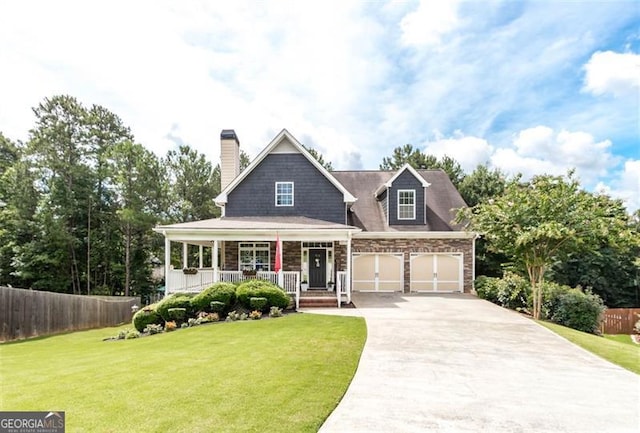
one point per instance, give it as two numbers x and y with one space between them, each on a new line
229 157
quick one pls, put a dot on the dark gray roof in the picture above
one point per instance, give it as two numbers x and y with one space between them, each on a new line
441 202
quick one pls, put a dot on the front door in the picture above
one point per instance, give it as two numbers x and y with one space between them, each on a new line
317 268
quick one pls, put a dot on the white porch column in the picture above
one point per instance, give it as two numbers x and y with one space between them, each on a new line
200 258
280 274
347 280
214 260
167 263
185 260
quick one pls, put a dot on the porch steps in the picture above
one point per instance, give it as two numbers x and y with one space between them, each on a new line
318 299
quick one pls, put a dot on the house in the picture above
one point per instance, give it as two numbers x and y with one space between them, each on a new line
287 219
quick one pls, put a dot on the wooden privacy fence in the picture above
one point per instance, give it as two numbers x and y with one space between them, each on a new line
31 313
620 320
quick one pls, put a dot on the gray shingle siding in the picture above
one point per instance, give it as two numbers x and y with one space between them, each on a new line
384 202
314 195
406 180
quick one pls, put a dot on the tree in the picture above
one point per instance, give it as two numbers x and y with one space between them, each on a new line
61 153
138 183
105 130
545 220
407 154
192 186
18 202
482 184
611 270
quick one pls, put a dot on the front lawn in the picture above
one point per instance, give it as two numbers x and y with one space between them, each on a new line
284 374
623 354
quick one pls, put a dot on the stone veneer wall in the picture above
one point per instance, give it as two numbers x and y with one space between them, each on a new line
290 255
408 246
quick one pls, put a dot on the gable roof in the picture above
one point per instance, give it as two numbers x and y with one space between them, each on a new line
402 169
283 142
441 201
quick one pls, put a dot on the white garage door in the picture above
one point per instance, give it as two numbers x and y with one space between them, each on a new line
378 272
436 272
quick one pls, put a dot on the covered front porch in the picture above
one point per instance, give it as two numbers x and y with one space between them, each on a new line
301 255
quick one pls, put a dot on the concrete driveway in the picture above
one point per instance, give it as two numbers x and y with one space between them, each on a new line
455 363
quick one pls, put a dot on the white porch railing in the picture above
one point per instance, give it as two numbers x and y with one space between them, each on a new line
179 282
341 287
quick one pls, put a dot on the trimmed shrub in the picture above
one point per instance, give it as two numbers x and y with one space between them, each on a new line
276 297
217 307
579 310
178 300
177 314
219 292
147 316
487 288
257 304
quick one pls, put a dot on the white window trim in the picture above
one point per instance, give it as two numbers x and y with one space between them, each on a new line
254 247
413 206
292 194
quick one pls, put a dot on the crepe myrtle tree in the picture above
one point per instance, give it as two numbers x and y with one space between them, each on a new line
544 220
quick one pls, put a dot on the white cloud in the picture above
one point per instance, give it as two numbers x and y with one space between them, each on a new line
467 150
615 73
540 150
429 22
350 78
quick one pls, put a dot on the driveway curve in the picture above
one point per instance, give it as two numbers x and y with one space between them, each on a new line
455 363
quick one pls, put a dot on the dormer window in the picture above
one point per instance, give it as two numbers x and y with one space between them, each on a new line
406 204
284 193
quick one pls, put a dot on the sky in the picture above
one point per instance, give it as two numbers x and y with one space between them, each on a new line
527 87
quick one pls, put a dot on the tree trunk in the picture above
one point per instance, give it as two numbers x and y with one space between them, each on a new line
127 259
536 274
89 250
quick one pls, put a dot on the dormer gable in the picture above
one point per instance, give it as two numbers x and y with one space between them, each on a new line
403 197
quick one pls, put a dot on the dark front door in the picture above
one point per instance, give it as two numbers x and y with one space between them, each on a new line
317 268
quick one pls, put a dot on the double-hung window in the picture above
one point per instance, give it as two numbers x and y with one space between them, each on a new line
284 193
254 256
406 204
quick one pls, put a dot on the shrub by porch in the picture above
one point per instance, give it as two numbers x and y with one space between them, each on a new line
219 298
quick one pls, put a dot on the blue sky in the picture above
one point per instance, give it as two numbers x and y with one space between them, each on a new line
530 87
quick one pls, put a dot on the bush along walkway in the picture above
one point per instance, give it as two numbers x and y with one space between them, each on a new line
248 301
566 306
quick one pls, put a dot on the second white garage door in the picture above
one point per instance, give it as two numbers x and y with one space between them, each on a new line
378 272
436 272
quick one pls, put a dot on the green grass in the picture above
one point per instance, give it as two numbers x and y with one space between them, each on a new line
620 353
622 338
284 374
